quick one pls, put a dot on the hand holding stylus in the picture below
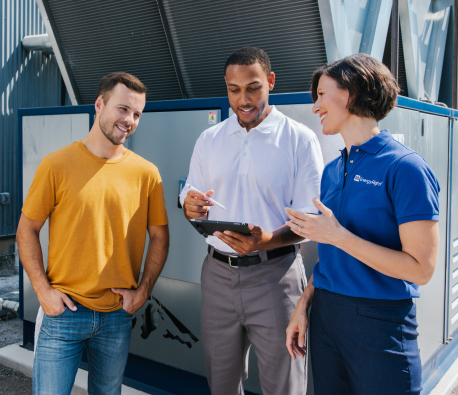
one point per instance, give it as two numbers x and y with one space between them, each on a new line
196 204
209 198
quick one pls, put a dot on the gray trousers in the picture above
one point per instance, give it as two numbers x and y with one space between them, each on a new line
251 306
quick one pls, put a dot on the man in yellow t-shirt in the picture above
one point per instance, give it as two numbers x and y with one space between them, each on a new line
100 199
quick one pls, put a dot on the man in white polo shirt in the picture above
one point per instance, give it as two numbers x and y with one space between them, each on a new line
255 163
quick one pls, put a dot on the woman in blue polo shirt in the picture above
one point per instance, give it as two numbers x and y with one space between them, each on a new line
378 241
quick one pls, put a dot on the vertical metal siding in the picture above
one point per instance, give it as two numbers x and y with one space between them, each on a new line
26 80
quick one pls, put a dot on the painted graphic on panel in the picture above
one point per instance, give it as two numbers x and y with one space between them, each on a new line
157 316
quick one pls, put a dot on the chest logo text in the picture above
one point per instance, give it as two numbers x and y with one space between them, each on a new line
368 182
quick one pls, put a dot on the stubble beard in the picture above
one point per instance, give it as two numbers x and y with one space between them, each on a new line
107 129
261 113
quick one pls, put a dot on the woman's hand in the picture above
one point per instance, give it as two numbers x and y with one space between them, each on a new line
322 228
297 328
415 263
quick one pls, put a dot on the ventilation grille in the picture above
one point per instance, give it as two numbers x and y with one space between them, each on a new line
178 48
402 79
103 36
206 32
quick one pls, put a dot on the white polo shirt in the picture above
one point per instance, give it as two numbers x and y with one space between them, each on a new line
256 174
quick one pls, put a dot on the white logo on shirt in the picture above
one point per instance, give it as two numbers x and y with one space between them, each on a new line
368 182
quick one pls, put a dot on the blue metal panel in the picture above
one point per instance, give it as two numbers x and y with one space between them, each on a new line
26 80
413 104
223 103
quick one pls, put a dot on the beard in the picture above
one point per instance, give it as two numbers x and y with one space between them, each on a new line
107 129
251 123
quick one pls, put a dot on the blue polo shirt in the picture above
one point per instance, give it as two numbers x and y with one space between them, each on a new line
382 185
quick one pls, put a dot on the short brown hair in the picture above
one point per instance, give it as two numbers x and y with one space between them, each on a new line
372 88
109 81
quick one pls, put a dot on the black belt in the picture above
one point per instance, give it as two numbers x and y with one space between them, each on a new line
250 260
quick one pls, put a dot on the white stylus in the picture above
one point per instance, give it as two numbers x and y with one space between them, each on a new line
210 199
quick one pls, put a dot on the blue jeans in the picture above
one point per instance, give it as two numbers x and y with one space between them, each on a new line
61 342
364 346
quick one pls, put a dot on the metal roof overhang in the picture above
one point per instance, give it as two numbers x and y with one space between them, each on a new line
178 48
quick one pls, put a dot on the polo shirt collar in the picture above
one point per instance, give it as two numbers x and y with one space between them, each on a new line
266 126
375 144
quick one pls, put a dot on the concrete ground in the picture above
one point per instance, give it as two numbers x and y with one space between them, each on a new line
9 288
10 332
9 279
12 382
448 385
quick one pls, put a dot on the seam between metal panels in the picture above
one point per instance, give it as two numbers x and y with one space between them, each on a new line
58 51
448 232
168 36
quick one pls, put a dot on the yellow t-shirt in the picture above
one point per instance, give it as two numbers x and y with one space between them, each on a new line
98 213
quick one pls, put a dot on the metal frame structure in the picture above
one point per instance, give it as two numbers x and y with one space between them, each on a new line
424 32
61 61
161 379
180 56
443 358
395 39
423 24
447 334
455 57
367 32
173 52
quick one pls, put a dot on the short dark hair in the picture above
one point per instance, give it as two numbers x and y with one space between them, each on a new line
372 89
109 81
248 56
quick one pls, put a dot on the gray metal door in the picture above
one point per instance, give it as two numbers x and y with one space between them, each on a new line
167 139
428 135
452 308
167 327
41 135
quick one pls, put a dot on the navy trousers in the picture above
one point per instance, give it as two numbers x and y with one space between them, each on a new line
364 346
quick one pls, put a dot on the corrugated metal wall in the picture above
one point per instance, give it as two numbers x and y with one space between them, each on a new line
26 80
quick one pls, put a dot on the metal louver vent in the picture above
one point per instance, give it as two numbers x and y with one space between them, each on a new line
402 78
178 47
206 32
103 36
